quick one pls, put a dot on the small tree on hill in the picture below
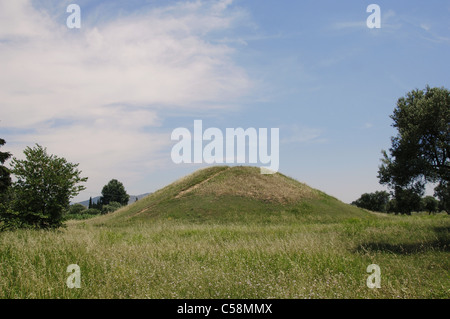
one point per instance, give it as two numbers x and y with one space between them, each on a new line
114 191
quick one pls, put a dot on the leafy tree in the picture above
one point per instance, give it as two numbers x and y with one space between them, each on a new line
373 201
90 203
114 191
45 183
420 152
430 204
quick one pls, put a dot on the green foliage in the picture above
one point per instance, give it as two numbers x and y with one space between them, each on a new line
373 201
45 183
114 191
92 211
76 209
420 152
84 214
111 207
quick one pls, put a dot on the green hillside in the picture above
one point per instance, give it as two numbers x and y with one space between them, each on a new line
237 194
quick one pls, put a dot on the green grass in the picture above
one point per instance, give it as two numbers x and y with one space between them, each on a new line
179 259
205 245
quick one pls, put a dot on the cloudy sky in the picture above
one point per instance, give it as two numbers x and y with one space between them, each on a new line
109 94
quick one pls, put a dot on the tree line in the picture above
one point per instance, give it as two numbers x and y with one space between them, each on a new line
419 155
39 197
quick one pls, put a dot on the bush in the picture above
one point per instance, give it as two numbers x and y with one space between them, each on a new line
76 209
84 214
111 207
91 211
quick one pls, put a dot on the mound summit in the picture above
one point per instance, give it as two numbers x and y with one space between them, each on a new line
237 193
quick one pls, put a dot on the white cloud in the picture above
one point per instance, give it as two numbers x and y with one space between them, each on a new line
108 83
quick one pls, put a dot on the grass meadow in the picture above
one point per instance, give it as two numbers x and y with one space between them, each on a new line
289 256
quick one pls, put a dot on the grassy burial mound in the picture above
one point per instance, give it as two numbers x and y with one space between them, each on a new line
237 194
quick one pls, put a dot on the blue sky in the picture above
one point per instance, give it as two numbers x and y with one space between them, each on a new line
108 95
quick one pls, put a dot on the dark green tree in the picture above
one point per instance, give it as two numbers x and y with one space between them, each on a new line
45 184
420 152
373 201
114 191
90 203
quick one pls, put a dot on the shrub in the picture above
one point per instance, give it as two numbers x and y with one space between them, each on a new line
111 207
76 209
91 211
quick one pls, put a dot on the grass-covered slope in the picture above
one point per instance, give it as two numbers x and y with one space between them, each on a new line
236 194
